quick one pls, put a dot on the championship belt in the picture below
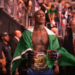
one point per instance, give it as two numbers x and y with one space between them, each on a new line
40 62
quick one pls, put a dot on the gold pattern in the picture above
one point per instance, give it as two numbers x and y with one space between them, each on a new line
40 62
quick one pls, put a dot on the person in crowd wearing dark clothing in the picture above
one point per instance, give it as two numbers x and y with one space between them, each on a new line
4 46
2 62
69 45
58 70
43 6
14 41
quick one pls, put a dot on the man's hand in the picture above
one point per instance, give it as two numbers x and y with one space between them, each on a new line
28 55
53 54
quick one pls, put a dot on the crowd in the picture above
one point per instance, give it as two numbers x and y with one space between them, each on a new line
61 21
57 15
17 8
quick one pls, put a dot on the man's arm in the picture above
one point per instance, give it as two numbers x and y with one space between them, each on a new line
53 16
45 6
3 61
49 15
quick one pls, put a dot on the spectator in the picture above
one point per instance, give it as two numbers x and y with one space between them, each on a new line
29 6
2 62
60 2
14 41
69 45
43 6
7 50
49 6
19 11
7 8
65 19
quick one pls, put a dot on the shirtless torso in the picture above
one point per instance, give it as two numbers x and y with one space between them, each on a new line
40 40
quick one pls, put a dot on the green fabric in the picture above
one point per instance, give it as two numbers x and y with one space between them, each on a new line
51 12
26 42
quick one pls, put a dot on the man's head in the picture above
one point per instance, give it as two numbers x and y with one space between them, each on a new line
5 36
55 30
39 17
52 7
73 25
17 34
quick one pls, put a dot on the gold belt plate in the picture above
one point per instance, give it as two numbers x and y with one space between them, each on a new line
40 61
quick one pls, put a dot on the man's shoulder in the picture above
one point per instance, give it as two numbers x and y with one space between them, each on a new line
49 10
54 10
29 30
49 31
14 39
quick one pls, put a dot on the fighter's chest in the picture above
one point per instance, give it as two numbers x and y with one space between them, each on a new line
40 38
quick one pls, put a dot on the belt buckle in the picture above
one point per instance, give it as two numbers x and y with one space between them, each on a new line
40 61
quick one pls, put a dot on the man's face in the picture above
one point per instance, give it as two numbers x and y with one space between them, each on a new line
19 34
52 9
5 38
73 26
39 17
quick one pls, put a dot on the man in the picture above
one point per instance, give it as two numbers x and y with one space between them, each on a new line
70 47
51 14
7 50
14 41
40 46
43 6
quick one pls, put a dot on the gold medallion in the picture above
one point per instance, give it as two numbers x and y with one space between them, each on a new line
40 61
